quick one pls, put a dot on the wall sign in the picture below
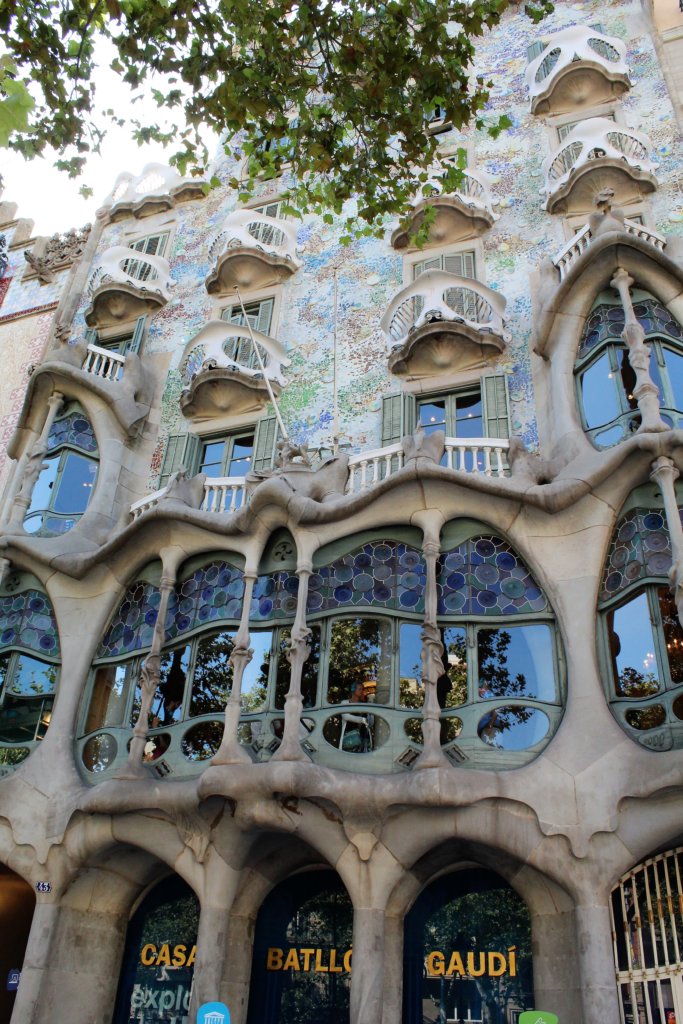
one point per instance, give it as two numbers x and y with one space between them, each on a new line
43 887
538 1017
213 1013
13 978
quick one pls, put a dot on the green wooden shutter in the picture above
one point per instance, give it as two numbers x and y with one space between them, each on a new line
264 317
133 343
494 392
91 336
460 263
398 417
535 50
266 436
182 450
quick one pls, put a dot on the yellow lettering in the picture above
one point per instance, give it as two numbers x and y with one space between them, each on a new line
502 965
307 954
347 960
190 959
274 959
179 956
470 965
512 960
319 965
148 955
292 961
455 965
333 962
435 964
164 957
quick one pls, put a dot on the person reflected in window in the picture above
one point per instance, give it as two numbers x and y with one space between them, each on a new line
356 732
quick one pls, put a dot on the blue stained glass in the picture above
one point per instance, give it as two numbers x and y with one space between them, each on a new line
606 323
640 549
73 430
385 574
272 596
27 620
493 581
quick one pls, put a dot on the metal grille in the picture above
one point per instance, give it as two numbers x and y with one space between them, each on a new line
647 931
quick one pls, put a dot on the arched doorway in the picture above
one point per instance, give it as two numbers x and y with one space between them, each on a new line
467 952
301 969
17 903
647 923
158 963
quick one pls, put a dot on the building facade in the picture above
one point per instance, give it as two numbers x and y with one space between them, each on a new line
341 585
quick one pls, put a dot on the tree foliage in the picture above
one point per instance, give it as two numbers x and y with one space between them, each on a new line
341 94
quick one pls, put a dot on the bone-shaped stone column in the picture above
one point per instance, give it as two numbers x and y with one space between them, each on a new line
231 750
665 474
645 391
432 755
297 655
32 463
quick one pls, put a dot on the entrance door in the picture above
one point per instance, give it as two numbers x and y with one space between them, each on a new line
650 1000
17 904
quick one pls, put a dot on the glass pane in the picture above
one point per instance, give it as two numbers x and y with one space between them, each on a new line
356 733
516 662
513 728
255 678
212 458
360 661
599 394
628 379
212 678
632 648
167 706
75 485
674 369
99 752
32 678
202 740
411 690
42 492
309 674
468 415
451 688
673 634
649 717
242 451
110 695
433 415
23 720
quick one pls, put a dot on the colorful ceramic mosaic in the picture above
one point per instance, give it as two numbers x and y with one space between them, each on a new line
483 576
382 574
274 597
74 430
606 323
28 621
640 549
212 593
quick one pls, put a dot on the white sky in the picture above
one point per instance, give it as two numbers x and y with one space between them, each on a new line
51 199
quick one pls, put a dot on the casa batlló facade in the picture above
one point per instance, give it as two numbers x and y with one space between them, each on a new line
341 587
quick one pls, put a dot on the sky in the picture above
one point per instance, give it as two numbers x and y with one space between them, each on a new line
50 198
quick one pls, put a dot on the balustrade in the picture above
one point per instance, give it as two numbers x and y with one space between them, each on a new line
576 246
102 362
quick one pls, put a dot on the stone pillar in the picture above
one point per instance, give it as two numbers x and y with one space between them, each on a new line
392 1000
367 972
299 650
665 474
231 751
596 960
220 887
27 1004
31 464
149 680
645 391
432 755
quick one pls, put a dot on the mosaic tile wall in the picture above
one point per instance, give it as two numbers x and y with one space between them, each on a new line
370 272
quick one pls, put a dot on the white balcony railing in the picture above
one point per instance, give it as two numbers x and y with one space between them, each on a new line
222 345
123 266
568 256
436 296
254 230
574 48
101 362
157 181
596 139
480 456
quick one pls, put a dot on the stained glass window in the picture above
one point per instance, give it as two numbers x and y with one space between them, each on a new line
384 574
27 620
484 576
640 548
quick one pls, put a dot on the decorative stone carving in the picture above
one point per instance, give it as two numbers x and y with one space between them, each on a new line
421 445
326 483
56 253
4 255
187 490
645 391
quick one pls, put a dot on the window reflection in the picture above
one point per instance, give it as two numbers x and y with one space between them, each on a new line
516 662
632 647
411 690
451 687
513 728
212 676
309 674
360 661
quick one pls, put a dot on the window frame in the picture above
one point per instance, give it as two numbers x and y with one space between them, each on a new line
228 438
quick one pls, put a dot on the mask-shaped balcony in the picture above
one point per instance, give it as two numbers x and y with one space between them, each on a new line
222 373
441 323
466 213
126 284
579 67
598 154
253 250
157 189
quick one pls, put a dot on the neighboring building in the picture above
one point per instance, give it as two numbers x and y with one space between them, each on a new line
336 607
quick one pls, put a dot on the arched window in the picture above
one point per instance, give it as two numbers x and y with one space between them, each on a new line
158 962
605 379
642 639
29 667
66 482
